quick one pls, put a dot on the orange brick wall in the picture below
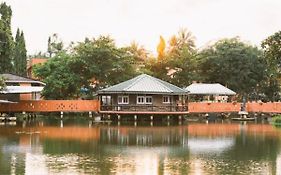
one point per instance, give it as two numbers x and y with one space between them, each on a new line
213 107
52 106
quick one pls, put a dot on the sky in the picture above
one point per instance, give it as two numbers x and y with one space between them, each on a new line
144 21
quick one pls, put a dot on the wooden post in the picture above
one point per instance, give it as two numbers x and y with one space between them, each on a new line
180 118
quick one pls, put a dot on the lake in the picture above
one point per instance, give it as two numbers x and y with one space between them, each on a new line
79 146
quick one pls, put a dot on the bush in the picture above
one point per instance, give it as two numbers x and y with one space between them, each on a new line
277 120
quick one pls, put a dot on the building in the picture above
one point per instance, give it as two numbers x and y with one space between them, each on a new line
209 92
143 94
30 64
20 88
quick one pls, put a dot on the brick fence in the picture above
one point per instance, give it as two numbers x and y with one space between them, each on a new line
51 106
94 105
273 107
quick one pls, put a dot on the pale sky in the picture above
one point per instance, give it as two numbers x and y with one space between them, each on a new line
144 21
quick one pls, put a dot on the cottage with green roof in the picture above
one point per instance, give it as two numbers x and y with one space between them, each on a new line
143 94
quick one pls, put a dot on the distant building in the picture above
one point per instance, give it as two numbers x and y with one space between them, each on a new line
31 63
20 88
142 93
209 92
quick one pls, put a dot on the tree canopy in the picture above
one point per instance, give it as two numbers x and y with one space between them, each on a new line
90 65
12 53
6 39
234 64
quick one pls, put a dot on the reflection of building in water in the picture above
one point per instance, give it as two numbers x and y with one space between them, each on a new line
145 136
210 145
278 164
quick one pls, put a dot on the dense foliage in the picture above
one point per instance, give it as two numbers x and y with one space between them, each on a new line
6 39
20 61
12 53
90 65
85 67
234 64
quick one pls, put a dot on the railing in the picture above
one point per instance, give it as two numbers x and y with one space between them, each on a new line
139 108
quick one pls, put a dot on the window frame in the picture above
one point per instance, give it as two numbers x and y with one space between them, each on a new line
149 97
143 97
122 97
169 99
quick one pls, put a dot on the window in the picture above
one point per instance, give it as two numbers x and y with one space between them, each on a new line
140 99
144 99
123 99
106 100
148 100
166 99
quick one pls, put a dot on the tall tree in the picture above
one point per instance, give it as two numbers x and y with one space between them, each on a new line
55 45
234 64
20 61
178 64
6 39
61 81
272 52
102 60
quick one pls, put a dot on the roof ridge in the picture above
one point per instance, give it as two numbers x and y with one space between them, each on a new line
160 82
138 78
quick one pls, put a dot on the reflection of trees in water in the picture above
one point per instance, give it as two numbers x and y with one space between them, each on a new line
11 160
253 154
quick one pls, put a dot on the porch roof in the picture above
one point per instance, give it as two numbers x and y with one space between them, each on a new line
143 84
21 89
208 89
10 78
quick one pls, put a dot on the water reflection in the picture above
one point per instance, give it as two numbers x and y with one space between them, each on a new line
83 147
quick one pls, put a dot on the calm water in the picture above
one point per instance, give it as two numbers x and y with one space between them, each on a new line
78 146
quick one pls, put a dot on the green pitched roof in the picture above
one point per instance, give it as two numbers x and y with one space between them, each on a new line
143 84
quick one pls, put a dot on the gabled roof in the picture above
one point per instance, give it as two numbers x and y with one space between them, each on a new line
143 84
10 78
208 89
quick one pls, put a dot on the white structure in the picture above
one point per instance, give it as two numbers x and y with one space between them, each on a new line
218 91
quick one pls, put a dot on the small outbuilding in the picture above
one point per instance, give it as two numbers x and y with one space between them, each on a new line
143 93
20 88
209 92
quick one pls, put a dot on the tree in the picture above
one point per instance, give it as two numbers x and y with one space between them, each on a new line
6 39
234 64
20 61
55 45
178 64
100 61
272 54
61 81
